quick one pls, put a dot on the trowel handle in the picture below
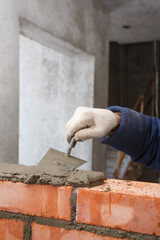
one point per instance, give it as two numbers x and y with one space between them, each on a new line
72 145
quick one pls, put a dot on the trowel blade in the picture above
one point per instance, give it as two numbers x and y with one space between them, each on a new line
58 163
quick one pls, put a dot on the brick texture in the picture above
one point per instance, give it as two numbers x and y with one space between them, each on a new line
117 204
42 232
39 200
130 206
11 229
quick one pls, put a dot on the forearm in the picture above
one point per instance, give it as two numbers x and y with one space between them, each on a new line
137 135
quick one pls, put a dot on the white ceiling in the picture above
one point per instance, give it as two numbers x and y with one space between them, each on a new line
133 20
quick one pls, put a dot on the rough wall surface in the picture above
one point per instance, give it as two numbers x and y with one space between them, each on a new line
115 210
80 23
9 83
52 85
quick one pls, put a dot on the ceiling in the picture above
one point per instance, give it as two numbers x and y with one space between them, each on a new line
133 21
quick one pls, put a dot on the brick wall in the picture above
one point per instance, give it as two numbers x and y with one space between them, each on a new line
114 210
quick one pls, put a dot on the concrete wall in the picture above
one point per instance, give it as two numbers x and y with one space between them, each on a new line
9 83
53 82
83 24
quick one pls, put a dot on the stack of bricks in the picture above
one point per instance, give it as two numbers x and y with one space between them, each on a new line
116 209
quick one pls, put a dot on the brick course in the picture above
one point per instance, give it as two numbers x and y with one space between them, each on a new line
11 229
42 232
39 200
115 210
130 206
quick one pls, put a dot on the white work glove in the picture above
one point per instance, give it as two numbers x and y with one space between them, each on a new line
90 123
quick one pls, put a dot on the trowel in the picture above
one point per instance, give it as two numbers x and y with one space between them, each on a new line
57 163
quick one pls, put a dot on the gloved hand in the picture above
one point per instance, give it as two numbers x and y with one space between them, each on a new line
90 123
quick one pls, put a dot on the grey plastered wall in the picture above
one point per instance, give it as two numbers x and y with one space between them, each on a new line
55 78
9 38
84 24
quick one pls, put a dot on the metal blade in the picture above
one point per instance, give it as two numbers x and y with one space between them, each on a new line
58 163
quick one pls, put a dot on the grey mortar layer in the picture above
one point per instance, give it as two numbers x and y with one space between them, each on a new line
104 231
32 175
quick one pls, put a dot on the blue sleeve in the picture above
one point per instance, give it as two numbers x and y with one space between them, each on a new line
138 136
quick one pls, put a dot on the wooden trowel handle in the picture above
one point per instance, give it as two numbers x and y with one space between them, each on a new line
72 145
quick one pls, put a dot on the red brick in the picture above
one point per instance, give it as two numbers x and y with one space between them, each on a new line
11 229
39 200
42 232
130 206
